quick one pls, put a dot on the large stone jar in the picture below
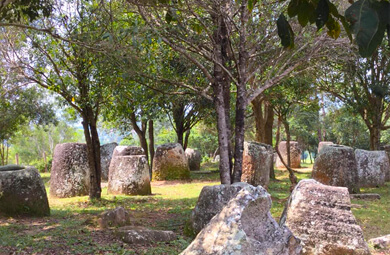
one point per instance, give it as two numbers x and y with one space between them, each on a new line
22 192
170 163
70 170
106 152
258 160
295 154
335 165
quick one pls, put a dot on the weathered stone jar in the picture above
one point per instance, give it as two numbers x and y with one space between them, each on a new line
170 163
295 154
70 171
22 192
106 152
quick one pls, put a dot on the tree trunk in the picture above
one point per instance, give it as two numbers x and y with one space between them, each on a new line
374 138
288 135
93 150
151 145
264 120
141 133
2 153
186 138
291 176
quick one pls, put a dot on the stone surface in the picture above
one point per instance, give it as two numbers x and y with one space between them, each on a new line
22 192
386 148
114 218
323 144
11 167
372 167
382 242
335 165
106 152
127 151
129 175
70 170
170 163
320 215
211 201
139 235
257 163
366 196
245 226
194 159
295 154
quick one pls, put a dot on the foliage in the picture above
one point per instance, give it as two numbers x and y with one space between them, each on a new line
18 10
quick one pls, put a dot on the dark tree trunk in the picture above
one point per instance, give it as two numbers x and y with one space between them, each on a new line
151 145
291 176
288 135
264 120
141 133
93 149
374 138
186 138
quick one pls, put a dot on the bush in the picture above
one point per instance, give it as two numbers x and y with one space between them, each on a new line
40 165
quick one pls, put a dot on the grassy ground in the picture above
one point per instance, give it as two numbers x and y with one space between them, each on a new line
72 226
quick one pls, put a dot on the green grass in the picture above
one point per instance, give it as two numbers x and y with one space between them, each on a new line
72 226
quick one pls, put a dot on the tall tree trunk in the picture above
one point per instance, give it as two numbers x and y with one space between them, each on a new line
288 135
141 133
374 138
151 145
93 150
186 138
180 134
291 176
2 153
241 95
264 120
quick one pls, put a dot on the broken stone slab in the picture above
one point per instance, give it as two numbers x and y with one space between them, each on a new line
22 192
335 165
320 216
365 196
257 163
323 144
372 167
382 242
245 226
114 218
70 171
211 201
140 235
127 151
106 152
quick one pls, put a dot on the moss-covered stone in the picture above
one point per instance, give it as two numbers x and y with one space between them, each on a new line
170 163
22 192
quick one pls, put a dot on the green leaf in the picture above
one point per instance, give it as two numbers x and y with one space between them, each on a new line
285 32
251 5
322 13
334 28
293 8
168 17
365 23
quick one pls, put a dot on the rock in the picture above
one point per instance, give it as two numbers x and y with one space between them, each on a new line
245 226
106 151
372 167
170 163
129 175
211 201
22 192
295 154
386 148
366 196
323 144
321 217
335 165
70 170
128 151
138 235
257 163
114 218
11 167
194 159
382 242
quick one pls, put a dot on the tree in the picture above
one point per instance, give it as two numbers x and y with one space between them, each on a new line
79 73
235 41
362 84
